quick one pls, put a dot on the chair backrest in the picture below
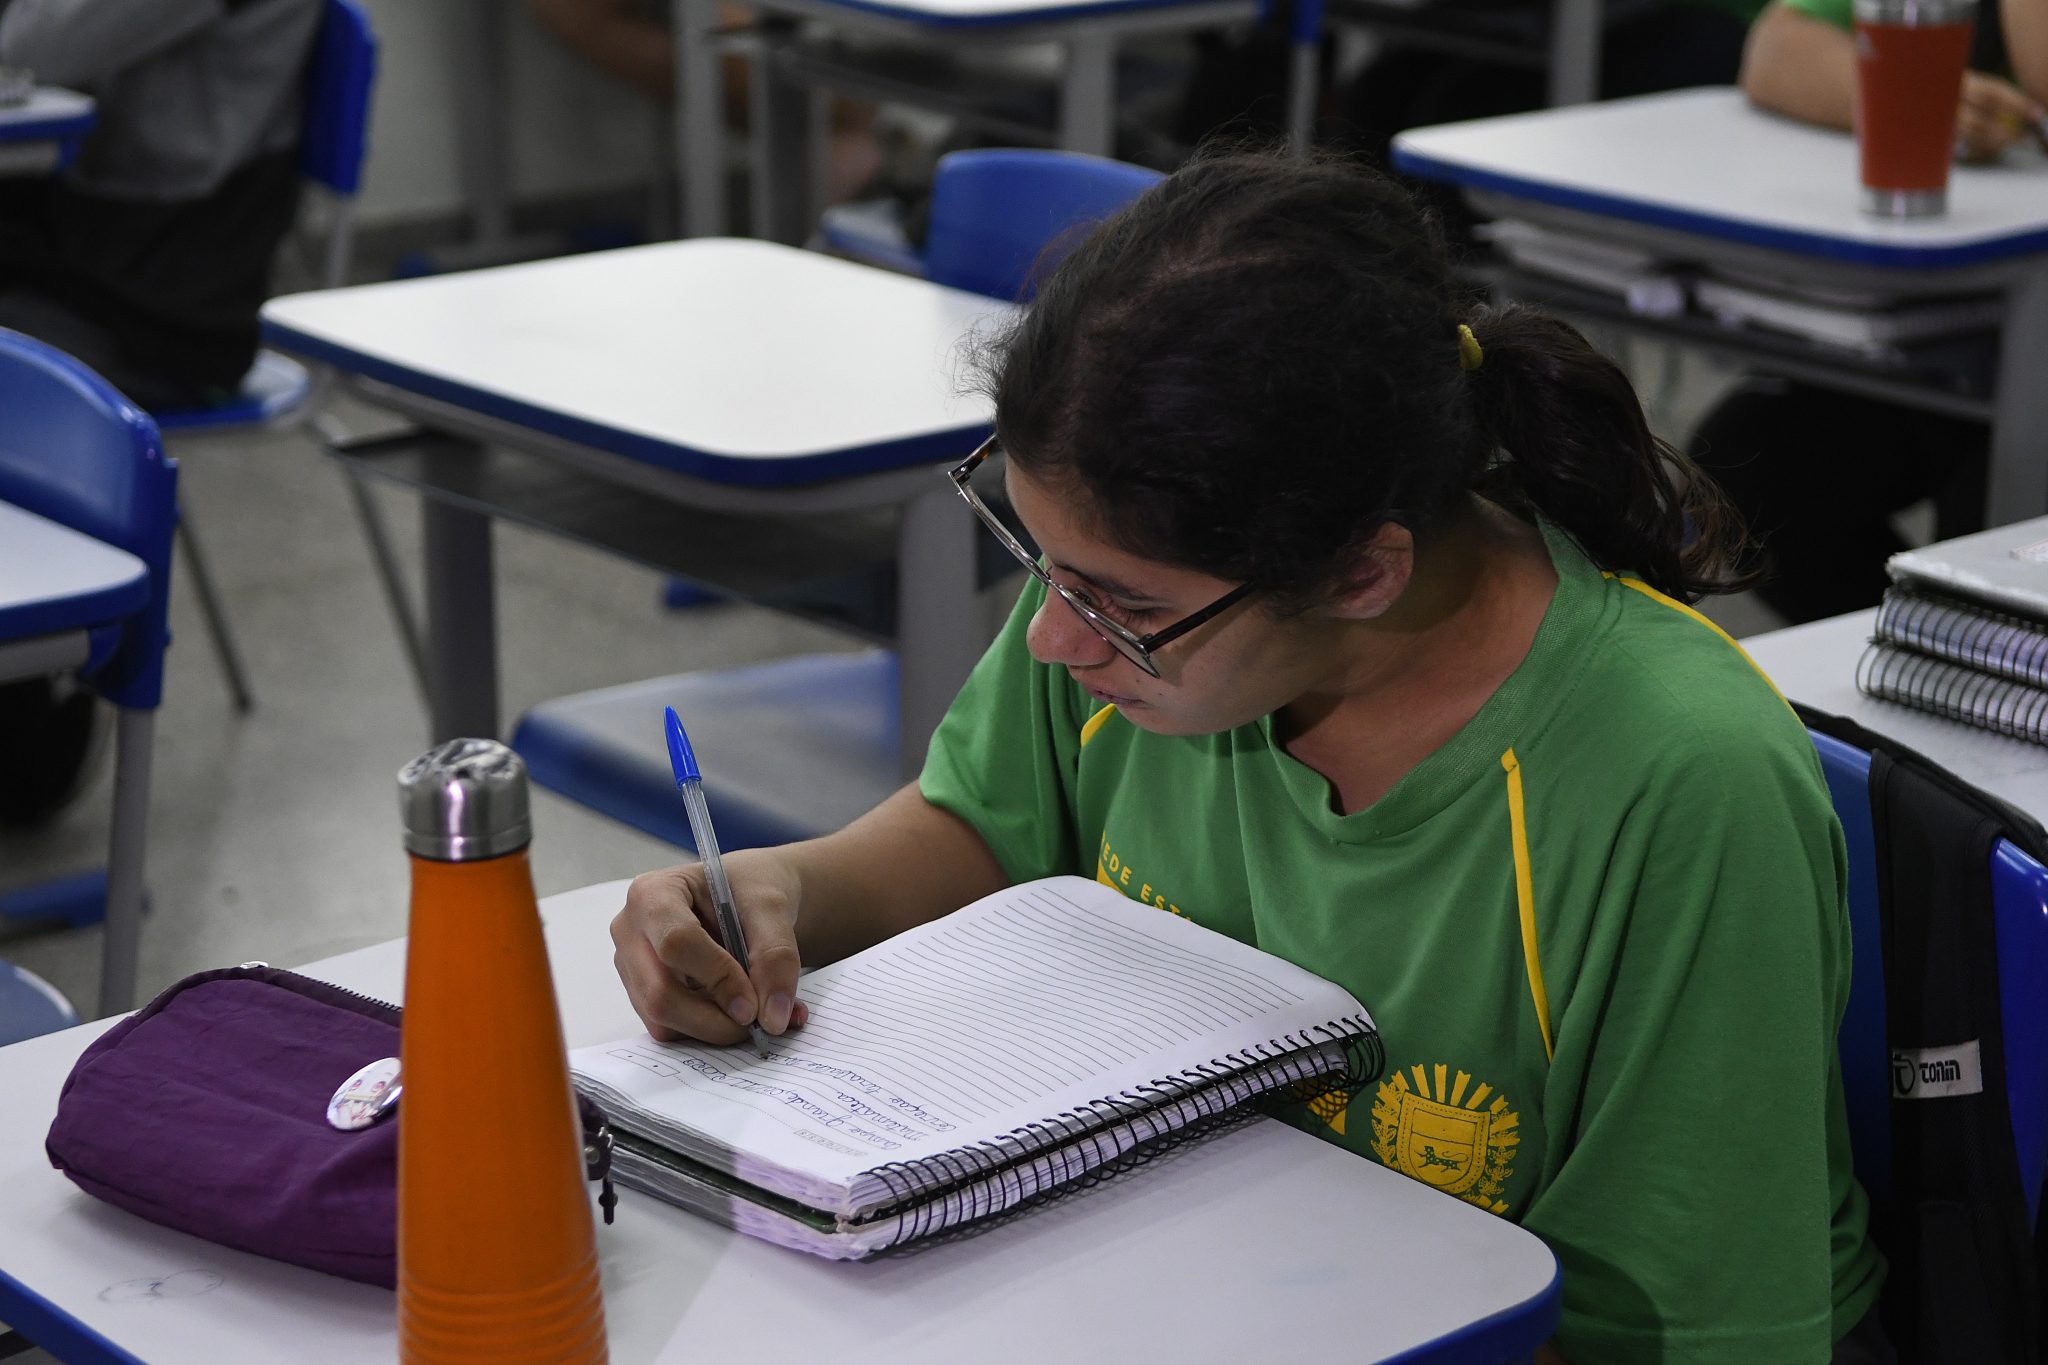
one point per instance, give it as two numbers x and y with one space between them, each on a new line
1000 217
2019 890
72 449
334 136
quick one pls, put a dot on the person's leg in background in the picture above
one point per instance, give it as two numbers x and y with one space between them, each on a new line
1818 476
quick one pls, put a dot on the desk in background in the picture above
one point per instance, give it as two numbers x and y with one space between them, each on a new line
739 413
1259 1243
42 135
1699 176
1816 664
781 125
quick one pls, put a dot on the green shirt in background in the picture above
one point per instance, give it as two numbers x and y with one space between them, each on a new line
1838 13
1602 931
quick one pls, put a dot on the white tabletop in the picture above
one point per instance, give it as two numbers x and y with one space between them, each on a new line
994 13
739 361
53 578
1816 664
1219 1252
48 112
1705 161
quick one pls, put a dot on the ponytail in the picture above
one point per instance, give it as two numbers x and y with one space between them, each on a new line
1572 444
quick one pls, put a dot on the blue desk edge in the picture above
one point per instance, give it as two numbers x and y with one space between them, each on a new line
929 448
55 1330
1513 1333
1886 255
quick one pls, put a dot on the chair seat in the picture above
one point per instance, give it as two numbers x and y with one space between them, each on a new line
790 749
30 1006
872 232
274 388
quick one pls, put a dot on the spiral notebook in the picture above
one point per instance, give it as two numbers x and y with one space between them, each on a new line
1963 631
1024 1045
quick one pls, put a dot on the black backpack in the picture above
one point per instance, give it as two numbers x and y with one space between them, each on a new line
1965 1286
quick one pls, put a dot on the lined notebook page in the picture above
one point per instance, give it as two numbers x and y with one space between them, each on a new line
1037 1000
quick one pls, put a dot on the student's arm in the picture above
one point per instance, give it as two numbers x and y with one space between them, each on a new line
898 866
2026 44
83 42
615 36
1805 68
1801 68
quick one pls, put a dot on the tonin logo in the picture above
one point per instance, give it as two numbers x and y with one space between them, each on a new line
1930 1073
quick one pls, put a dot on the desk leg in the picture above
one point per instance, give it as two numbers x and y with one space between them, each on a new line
121 950
1088 96
462 623
777 157
700 120
482 112
2019 426
1574 52
937 628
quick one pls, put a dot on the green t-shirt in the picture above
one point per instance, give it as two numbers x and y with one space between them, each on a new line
1837 13
1633 835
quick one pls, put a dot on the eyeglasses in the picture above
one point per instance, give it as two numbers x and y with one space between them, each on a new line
1137 648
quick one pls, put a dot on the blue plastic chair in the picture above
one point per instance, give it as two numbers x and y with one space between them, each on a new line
75 452
2020 921
994 215
333 142
797 748
2019 888
30 1006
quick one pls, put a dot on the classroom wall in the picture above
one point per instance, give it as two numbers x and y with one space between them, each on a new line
568 129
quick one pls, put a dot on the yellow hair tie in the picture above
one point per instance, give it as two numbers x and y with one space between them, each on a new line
1470 357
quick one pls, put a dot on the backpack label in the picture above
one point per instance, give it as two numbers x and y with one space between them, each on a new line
1935 1073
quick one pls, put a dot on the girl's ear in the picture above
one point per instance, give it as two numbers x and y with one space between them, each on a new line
1378 574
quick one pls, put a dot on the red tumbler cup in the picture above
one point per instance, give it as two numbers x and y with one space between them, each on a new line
1910 56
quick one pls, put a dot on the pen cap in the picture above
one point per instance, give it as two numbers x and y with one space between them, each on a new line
465 800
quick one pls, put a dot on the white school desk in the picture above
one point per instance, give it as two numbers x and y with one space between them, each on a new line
1261 1244
56 580
780 121
42 135
1816 664
734 411
1699 176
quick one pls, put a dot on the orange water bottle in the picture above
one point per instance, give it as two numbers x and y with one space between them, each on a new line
497 1259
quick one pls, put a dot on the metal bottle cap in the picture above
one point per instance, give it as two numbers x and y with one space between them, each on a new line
465 800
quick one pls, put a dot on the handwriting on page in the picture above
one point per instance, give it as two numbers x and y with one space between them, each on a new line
972 1017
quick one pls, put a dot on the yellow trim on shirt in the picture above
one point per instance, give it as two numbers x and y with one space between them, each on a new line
1094 723
1525 897
1646 590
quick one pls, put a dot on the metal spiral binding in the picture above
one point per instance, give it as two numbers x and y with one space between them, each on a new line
1968 633
919 1191
1953 690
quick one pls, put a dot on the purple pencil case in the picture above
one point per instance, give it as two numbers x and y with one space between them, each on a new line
206 1111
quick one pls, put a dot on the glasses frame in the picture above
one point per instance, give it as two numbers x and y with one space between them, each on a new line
1137 648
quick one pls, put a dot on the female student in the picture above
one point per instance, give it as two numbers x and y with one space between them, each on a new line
1358 636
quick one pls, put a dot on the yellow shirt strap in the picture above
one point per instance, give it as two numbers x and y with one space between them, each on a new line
1095 722
1525 897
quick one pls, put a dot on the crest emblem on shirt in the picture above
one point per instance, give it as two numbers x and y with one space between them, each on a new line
1447 1131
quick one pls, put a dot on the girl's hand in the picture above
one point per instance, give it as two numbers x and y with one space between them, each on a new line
682 983
1992 116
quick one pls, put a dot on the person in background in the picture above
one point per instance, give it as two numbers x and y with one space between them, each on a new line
1819 473
1359 635
149 256
631 41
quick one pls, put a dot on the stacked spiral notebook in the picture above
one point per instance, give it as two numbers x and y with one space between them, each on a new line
1026 1045
1963 631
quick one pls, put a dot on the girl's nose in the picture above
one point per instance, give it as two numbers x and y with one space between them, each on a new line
1058 635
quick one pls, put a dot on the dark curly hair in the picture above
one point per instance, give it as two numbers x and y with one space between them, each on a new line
1256 364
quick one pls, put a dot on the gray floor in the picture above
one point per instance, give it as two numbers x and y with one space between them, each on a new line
274 835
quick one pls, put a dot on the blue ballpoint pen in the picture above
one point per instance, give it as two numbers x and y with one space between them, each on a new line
683 762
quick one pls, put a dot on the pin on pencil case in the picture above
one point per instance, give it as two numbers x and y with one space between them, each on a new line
207 1110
